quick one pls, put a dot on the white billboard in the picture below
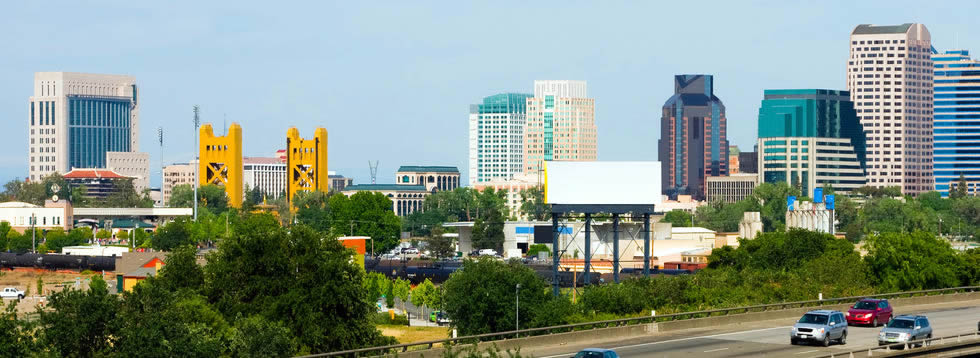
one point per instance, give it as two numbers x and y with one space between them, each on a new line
602 183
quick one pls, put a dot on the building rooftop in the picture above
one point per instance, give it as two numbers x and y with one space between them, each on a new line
866 29
690 230
384 187
427 169
93 174
261 160
17 204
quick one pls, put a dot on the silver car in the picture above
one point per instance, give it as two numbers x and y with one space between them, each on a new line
821 326
903 329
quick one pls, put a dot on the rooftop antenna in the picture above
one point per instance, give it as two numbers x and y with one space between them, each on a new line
374 171
224 123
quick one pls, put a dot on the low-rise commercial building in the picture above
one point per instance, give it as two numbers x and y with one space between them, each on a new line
339 182
22 216
513 188
98 183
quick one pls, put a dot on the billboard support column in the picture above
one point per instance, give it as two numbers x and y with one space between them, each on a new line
646 245
616 248
555 230
588 249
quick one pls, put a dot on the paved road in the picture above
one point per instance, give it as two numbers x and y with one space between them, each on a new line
768 338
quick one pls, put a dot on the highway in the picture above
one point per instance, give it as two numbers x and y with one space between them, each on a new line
766 338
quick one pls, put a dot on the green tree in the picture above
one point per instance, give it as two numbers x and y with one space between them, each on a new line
103 234
371 215
401 289
375 284
772 198
20 243
17 339
173 234
181 270
960 190
678 218
124 195
209 196
256 336
533 206
421 296
439 245
80 323
158 322
313 209
534 249
298 276
916 261
4 230
481 297
56 239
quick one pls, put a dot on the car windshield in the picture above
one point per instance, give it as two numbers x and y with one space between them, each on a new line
588 354
814 318
901 323
865 305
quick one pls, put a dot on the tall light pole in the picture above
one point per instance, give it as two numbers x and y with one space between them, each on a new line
197 123
33 233
517 311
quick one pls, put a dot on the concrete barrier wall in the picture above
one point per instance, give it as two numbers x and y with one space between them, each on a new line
632 331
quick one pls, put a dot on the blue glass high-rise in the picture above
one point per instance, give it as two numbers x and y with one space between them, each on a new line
956 124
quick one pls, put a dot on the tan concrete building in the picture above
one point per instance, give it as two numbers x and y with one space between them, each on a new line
174 175
267 174
132 164
731 188
889 76
560 125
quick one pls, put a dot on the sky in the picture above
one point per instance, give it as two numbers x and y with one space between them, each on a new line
392 81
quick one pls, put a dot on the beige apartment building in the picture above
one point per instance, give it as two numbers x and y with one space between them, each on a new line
889 76
560 125
174 175
132 164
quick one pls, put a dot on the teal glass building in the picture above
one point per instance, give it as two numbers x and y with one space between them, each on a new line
811 138
956 124
496 138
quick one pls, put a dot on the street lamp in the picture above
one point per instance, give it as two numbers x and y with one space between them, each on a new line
517 311
197 123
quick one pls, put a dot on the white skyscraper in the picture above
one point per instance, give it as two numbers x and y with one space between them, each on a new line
76 118
889 75
497 137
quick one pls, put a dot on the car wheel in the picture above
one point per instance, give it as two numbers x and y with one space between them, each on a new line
20 297
874 323
843 338
826 340
792 342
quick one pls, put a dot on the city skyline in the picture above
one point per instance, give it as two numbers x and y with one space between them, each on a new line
240 66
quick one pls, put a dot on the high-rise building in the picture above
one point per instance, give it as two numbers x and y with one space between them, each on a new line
693 137
811 138
560 125
497 137
956 121
889 75
75 118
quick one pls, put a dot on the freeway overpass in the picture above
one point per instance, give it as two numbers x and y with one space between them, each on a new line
764 338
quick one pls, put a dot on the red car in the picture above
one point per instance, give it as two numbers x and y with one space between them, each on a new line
870 312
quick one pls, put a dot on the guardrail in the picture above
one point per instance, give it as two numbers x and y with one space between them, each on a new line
929 345
404 347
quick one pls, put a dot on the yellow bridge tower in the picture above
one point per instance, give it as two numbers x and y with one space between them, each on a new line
306 162
220 161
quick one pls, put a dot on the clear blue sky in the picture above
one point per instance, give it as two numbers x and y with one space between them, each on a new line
393 81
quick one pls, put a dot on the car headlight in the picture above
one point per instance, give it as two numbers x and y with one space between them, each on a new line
881 334
847 313
821 331
867 315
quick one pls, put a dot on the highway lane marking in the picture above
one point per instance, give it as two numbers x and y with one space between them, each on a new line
815 350
682 339
715 350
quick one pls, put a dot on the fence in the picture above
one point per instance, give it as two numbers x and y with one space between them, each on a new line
633 321
927 346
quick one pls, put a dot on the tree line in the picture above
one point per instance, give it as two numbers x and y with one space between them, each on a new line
124 195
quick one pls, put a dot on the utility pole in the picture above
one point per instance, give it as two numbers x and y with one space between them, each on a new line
517 311
197 123
33 233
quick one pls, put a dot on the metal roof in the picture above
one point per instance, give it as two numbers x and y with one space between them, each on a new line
427 169
384 187
133 211
866 29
